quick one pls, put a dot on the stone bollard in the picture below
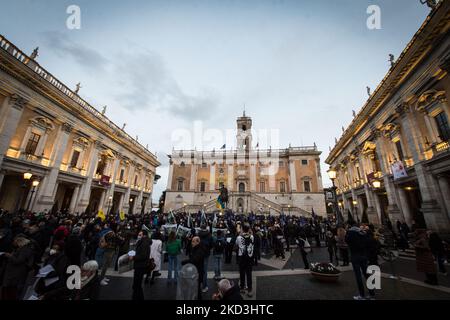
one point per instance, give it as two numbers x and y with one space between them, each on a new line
187 288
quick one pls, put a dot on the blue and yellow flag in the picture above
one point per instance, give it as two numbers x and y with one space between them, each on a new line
219 204
101 215
122 215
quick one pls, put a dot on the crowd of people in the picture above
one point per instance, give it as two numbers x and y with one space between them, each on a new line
37 248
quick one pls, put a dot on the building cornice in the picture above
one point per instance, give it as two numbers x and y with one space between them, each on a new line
26 70
435 25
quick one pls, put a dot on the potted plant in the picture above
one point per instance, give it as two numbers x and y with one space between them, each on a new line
324 271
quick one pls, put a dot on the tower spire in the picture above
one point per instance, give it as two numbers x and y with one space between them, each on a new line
244 111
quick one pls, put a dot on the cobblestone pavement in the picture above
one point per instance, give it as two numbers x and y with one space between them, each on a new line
276 279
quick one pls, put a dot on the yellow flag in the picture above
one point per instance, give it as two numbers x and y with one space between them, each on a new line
101 215
122 215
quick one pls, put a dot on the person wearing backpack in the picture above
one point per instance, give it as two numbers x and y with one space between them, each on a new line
107 244
245 243
218 251
173 248
358 243
206 242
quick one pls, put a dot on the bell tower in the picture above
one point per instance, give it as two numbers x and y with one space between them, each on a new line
244 133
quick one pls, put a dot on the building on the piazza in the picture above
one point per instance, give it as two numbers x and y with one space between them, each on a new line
57 152
272 180
394 159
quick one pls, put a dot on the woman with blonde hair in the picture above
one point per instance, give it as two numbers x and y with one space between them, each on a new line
19 264
342 246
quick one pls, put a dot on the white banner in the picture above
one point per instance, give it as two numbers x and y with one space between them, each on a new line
398 170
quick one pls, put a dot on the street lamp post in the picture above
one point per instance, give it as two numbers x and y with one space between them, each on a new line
355 203
109 204
332 175
34 185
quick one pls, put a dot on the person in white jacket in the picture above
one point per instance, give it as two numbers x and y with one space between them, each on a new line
155 254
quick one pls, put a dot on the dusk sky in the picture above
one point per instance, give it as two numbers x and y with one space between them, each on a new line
298 66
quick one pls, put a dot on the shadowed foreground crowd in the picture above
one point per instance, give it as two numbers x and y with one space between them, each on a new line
31 242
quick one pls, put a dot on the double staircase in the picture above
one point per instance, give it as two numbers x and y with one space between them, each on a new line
257 201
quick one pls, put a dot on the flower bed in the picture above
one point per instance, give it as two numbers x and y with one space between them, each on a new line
324 271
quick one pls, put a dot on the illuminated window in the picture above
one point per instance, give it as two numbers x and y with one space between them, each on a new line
443 127
75 157
32 143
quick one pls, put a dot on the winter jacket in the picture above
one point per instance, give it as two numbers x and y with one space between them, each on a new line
142 257
357 241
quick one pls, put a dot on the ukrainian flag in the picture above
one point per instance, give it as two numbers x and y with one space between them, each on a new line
219 204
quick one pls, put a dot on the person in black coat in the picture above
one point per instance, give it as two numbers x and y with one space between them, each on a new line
19 263
358 243
197 258
73 248
228 291
438 250
141 263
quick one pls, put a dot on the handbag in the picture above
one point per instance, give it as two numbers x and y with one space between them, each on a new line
151 265
306 246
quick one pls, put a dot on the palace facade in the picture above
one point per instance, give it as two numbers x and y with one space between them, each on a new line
57 152
394 159
287 180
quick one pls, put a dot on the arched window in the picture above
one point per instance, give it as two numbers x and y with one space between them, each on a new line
180 185
241 187
282 186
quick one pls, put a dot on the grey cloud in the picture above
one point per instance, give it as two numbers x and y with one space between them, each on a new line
63 46
146 83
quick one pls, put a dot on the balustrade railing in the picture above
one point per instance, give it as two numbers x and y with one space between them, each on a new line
15 52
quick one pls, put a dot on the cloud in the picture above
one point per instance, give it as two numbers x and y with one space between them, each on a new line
64 47
163 158
145 83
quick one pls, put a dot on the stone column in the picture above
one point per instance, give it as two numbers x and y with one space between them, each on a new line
45 198
212 178
126 200
444 185
14 109
193 179
230 177
110 190
411 133
433 213
138 205
169 180
122 196
393 210
2 176
371 211
293 175
405 205
101 202
85 191
252 177
74 199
